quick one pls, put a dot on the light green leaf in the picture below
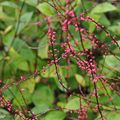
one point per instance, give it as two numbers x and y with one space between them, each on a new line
8 29
110 116
115 28
13 53
104 21
43 48
23 65
80 80
116 100
4 16
41 108
19 100
27 54
46 9
43 95
55 115
112 62
23 49
49 72
24 20
73 104
8 4
104 7
4 115
64 83
92 25
7 39
31 2
18 61
28 84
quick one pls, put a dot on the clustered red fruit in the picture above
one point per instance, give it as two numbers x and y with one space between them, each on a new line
82 114
85 58
6 104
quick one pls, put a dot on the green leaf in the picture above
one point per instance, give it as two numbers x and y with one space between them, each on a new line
43 48
23 65
80 80
55 115
7 92
31 2
116 99
41 108
24 20
19 100
115 28
28 84
4 16
104 21
27 54
21 47
71 72
46 9
92 25
104 7
19 44
8 4
4 115
7 39
8 29
110 116
43 95
64 83
49 72
18 61
1 57
112 62
73 104
13 53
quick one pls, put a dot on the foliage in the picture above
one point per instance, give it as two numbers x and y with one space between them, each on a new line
59 60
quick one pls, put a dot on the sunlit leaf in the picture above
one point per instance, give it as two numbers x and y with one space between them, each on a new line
55 115
104 7
43 95
43 48
80 80
46 9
